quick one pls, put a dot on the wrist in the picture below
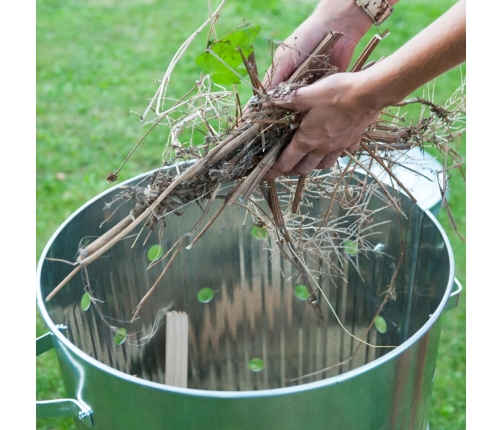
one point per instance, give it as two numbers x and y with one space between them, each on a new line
380 87
344 16
377 10
434 51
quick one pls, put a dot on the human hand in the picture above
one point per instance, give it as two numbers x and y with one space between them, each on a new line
335 112
343 16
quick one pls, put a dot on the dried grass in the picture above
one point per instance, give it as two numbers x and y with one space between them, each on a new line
239 146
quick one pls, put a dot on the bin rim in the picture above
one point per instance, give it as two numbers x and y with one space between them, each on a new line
248 394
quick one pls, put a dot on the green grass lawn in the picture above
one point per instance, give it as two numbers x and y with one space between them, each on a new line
98 60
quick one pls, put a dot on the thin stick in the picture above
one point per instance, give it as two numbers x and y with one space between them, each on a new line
112 177
298 193
389 172
323 49
375 40
283 233
382 186
250 64
206 227
165 81
182 242
63 283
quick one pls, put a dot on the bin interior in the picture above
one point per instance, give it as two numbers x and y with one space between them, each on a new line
257 331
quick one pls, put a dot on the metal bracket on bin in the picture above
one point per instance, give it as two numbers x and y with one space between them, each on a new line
60 407
454 296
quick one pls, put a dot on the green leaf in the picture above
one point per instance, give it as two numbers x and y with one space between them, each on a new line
219 72
223 55
228 47
259 232
350 247
302 292
255 364
154 252
85 302
120 336
380 324
205 295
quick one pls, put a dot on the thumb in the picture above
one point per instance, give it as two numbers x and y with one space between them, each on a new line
291 100
274 77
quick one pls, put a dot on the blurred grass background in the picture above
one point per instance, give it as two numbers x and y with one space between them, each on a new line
97 60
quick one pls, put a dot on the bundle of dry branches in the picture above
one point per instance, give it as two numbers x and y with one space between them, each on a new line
241 144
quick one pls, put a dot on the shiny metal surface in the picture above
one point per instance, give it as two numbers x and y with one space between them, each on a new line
254 314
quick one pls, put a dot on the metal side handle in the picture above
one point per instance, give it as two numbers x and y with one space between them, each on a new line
454 296
60 407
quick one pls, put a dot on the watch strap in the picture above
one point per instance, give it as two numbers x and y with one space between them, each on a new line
378 10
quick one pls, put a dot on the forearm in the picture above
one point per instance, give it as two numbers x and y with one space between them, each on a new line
434 51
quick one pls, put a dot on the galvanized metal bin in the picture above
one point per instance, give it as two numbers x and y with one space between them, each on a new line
254 316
